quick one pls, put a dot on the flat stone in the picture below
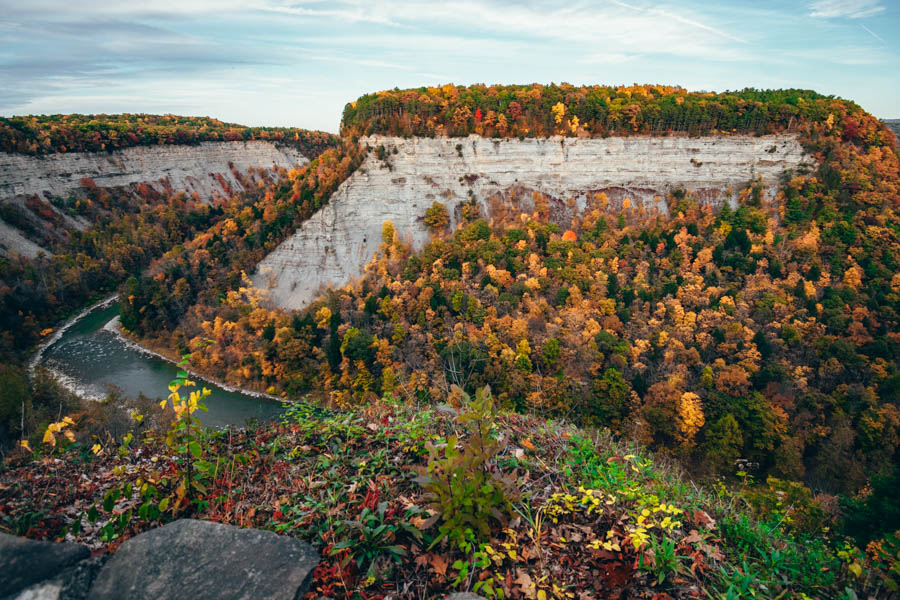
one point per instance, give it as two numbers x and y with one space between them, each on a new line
464 596
25 562
199 560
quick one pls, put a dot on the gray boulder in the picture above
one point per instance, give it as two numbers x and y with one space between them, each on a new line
24 563
199 560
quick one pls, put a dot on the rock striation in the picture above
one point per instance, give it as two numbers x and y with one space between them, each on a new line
206 169
333 246
192 169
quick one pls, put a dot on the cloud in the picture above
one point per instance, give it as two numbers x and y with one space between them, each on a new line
872 33
851 9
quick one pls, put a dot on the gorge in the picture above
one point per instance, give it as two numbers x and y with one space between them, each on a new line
203 170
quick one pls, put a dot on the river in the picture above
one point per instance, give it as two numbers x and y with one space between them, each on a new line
90 358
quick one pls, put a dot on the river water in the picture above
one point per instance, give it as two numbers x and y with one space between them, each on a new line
90 359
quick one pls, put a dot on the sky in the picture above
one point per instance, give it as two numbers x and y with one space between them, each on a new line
298 62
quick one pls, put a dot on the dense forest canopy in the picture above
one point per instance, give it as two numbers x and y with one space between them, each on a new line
594 111
46 134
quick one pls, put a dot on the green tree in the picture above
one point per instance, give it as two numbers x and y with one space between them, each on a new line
609 395
723 444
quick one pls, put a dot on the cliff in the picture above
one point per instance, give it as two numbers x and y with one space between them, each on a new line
204 169
333 246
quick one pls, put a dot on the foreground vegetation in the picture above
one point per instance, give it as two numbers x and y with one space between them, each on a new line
415 501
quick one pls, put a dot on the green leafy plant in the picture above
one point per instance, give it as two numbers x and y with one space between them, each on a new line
462 479
186 435
374 534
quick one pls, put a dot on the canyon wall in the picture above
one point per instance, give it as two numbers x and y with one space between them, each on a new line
333 246
203 169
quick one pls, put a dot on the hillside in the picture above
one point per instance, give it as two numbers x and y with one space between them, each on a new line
764 332
642 277
45 161
535 509
50 134
100 196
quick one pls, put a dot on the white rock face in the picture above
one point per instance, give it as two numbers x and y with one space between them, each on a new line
333 246
200 169
181 168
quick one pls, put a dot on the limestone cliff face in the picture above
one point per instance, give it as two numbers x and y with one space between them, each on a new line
203 169
333 246
181 168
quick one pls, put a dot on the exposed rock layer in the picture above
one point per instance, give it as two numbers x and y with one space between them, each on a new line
181 168
204 169
333 246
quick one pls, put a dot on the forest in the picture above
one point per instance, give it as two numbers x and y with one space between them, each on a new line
614 359
46 134
587 111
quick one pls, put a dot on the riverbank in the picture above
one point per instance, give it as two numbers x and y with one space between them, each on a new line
59 331
91 357
114 326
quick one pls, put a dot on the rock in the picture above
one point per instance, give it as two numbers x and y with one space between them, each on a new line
197 560
25 563
464 596
77 580
332 247
187 168
204 169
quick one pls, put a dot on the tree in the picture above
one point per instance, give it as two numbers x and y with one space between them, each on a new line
609 397
437 218
723 443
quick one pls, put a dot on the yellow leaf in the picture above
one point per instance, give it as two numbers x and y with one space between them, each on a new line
856 569
96 448
542 595
48 437
70 436
24 444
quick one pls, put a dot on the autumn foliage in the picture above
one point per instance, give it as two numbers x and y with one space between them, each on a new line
45 134
596 111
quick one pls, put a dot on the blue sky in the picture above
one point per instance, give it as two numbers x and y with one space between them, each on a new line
296 63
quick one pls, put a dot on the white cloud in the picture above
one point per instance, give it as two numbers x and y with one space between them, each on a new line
851 9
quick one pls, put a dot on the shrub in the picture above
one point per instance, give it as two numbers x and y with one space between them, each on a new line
462 479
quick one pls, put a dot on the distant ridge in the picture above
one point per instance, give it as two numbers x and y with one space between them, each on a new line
893 125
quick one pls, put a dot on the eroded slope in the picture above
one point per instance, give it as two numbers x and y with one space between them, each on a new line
332 247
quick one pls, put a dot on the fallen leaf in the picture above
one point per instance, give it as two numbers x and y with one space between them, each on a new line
702 519
525 584
439 564
693 538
